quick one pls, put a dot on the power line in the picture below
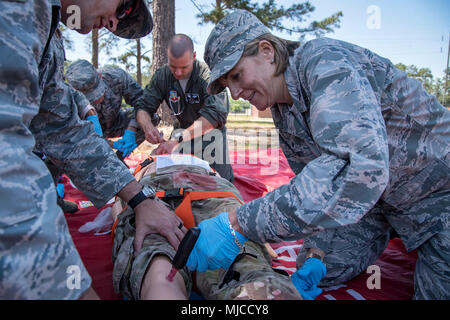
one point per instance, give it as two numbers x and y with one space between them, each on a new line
446 71
198 8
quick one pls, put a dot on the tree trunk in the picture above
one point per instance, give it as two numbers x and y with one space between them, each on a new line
138 62
163 30
95 48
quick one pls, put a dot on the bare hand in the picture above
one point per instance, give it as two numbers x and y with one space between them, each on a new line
154 136
165 147
152 216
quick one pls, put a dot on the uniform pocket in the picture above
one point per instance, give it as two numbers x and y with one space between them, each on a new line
122 267
13 220
26 191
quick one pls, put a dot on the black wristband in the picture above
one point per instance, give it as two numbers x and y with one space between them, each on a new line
147 192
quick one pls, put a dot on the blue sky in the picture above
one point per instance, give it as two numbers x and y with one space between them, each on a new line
408 31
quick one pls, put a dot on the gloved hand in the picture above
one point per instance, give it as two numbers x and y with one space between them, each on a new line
216 246
60 190
308 277
97 126
127 144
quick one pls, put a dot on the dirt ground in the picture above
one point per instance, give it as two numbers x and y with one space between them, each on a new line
146 147
239 138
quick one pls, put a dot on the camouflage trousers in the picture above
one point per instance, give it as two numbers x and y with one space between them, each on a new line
350 250
251 276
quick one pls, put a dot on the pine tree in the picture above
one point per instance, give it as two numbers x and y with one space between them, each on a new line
273 16
163 30
140 57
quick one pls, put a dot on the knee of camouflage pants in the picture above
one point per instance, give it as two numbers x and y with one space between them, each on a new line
349 250
129 270
432 274
256 279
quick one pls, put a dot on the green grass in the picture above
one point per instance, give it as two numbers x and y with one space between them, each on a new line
239 117
243 121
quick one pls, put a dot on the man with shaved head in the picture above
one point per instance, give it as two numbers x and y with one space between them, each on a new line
179 44
200 118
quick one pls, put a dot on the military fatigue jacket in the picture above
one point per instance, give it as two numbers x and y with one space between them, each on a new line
360 132
119 84
190 105
67 141
60 55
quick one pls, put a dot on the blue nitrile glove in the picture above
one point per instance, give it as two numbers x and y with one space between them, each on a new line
127 144
97 126
60 190
216 246
308 277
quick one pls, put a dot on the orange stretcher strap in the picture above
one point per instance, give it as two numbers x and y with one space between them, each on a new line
143 164
162 194
184 210
114 226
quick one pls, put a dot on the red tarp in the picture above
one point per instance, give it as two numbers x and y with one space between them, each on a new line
256 173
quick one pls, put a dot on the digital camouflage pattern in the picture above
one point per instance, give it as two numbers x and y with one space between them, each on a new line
83 76
35 245
214 108
225 45
114 84
82 103
137 25
256 280
359 135
37 109
60 55
86 158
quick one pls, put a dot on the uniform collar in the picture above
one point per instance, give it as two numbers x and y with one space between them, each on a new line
294 87
194 70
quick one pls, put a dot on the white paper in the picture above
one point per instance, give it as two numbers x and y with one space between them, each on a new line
167 160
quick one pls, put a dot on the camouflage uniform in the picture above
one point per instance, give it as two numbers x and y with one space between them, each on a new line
114 84
38 259
370 150
189 105
60 55
252 276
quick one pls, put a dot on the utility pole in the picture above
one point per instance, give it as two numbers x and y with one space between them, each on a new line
94 58
446 72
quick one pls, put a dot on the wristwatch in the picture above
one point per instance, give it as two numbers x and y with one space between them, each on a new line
178 137
314 255
147 192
